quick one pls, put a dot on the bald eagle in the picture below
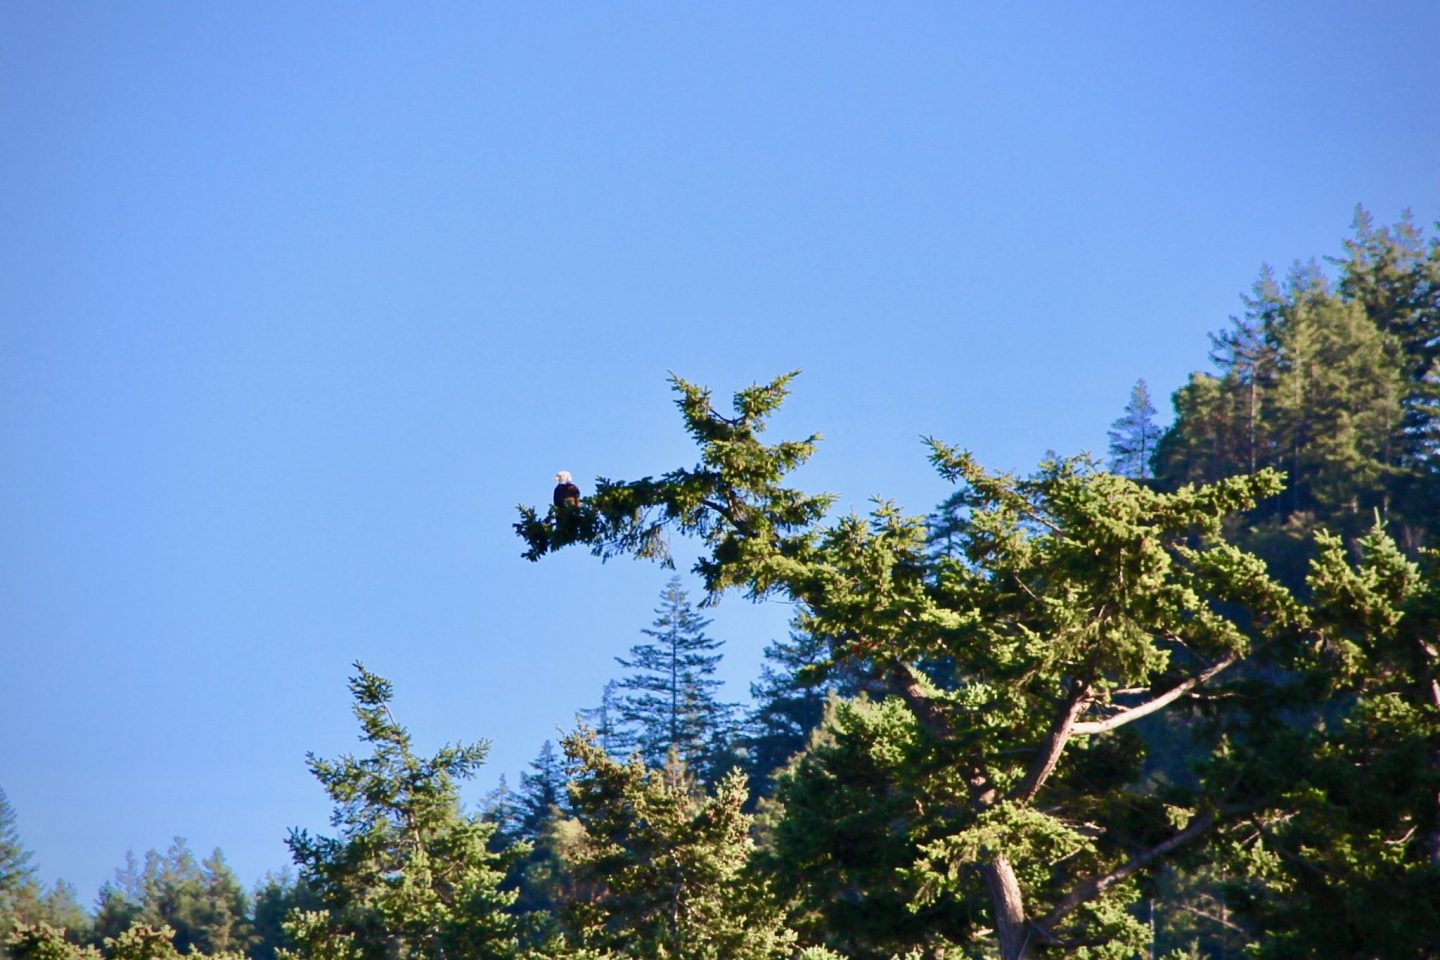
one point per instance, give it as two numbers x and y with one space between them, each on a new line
566 493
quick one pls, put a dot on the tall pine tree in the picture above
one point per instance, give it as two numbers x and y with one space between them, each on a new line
1134 435
668 699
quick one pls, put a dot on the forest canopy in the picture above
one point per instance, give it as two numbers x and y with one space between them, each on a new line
1184 702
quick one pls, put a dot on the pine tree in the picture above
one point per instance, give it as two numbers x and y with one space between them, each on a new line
501 807
1344 859
605 721
1336 385
542 792
788 702
410 875
850 828
1134 435
274 898
664 866
669 700
19 890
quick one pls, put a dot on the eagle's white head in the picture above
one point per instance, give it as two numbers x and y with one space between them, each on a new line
563 476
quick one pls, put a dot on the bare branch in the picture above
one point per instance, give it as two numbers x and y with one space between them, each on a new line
1149 707
1212 918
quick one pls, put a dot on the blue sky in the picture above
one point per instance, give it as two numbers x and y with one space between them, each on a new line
298 301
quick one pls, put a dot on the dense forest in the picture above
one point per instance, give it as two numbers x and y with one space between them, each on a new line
1181 702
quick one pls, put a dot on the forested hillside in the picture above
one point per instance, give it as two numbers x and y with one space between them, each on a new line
1184 702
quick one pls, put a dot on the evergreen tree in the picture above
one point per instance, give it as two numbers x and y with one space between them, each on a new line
849 824
669 700
275 897
24 901
202 904
605 721
410 875
501 807
1134 435
1079 603
19 890
788 702
1336 385
662 867
1344 858
543 793
115 912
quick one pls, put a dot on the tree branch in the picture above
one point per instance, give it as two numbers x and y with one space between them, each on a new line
905 680
913 692
1054 743
1145 709
1097 885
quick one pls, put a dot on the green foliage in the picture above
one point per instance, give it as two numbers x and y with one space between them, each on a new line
661 868
41 941
854 812
139 942
273 899
732 499
669 703
24 902
409 875
1072 602
1337 387
789 702
1343 860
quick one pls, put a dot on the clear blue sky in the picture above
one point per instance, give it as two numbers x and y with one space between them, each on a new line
297 301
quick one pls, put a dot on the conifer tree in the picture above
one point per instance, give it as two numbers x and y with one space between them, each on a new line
1134 435
668 700
1336 385
1344 858
788 703
1080 602
543 792
501 807
663 867
18 886
410 875
851 823
604 719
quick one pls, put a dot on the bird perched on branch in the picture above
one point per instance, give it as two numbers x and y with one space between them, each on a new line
566 493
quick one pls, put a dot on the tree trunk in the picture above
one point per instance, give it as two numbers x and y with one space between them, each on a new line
1010 923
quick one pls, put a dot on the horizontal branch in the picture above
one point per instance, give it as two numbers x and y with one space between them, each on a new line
1150 706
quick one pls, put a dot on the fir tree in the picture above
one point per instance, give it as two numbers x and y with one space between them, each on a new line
788 702
669 700
410 875
1134 435
18 887
542 792
665 867
1079 603
605 721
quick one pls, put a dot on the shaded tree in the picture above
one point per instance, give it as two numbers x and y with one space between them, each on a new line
668 700
796 681
1133 436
